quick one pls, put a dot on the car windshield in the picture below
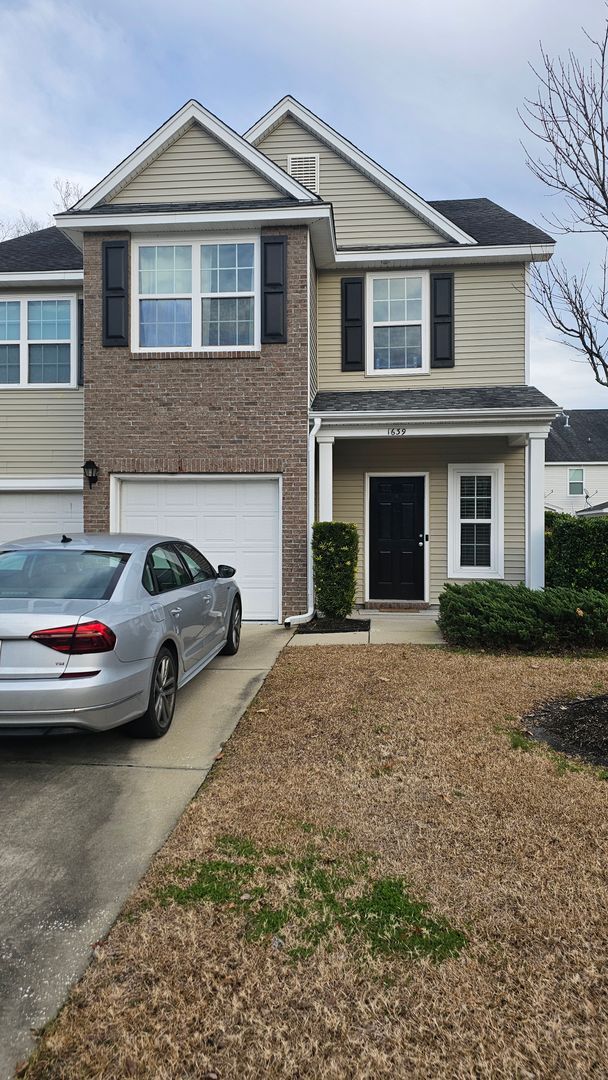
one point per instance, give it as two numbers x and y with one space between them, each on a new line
60 575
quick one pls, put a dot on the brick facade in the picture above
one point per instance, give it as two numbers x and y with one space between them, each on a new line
171 413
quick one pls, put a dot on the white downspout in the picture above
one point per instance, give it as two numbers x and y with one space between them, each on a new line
294 620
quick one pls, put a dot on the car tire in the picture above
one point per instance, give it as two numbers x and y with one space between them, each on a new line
234 630
158 717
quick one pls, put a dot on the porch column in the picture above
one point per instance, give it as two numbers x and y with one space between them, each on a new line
326 477
535 512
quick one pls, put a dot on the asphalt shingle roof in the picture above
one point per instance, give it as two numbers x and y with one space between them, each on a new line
584 439
489 223
483 397
45 249
175 207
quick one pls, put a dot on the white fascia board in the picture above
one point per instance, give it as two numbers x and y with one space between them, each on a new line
573 465
41 277
540 415
429 255
272 215
193 111
348 150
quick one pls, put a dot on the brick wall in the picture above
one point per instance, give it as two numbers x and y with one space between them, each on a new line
240 413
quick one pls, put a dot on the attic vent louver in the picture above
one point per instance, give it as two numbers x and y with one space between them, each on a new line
305 169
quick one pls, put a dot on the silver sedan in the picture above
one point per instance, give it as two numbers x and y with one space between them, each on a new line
102 629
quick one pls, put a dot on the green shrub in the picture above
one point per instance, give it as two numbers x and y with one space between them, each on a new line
493 615
335 547
576 551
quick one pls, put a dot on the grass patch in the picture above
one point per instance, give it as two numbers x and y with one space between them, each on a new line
308 896
282 947
563 764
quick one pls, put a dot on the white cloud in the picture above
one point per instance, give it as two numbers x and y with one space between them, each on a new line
563 375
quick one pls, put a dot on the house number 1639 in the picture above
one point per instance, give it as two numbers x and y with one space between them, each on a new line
397 430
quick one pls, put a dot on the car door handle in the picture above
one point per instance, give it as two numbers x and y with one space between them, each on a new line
176 610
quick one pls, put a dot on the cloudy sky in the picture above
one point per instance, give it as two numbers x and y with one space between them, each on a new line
429 90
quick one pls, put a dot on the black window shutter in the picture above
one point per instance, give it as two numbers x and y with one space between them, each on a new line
115 269
81 343
442 320
353 324
274 289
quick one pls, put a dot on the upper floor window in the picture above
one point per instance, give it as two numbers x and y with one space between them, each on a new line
397 321
576 481
196 296
38 341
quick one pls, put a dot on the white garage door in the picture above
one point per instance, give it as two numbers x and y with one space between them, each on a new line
234 521
32 513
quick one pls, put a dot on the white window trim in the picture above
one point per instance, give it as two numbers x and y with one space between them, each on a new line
496 570
196 295
24 342
369 321
575 494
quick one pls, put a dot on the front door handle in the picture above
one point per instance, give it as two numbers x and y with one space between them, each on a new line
420 543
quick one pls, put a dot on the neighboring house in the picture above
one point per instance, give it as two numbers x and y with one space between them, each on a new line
41 396
576 466
272 322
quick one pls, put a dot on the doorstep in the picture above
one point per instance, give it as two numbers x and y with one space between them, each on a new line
415 628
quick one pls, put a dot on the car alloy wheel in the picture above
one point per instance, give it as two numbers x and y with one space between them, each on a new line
165 689
236 628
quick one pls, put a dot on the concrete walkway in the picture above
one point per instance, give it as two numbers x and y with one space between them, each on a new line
386 628
80 818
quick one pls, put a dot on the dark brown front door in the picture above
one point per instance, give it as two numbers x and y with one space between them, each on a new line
396 538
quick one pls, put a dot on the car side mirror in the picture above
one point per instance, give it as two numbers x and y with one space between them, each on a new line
225 571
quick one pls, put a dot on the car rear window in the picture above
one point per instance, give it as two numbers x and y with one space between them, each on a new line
60 575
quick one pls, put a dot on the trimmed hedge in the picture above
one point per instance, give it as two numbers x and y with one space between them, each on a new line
335 549
493 615
576 551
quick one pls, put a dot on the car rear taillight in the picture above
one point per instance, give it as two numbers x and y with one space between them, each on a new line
88 637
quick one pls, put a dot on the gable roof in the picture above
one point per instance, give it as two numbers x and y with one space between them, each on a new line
194 112
490 223
584 439
289 106
39 252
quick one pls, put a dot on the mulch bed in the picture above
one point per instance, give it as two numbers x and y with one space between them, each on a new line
334 626
577 727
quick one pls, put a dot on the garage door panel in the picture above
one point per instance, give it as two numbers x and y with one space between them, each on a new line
234 521
33 513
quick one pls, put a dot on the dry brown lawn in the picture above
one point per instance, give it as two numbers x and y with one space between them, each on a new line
397 751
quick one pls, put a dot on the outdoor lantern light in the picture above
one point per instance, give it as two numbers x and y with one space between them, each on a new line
91 471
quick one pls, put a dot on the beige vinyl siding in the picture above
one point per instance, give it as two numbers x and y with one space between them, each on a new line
489 334
312 302
364 213
195 167
354 458
595 481
41 432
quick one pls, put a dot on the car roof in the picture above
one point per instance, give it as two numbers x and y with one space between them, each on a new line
123 542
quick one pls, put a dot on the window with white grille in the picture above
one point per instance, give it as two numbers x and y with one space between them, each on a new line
305 169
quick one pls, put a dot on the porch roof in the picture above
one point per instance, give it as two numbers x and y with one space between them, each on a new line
461 399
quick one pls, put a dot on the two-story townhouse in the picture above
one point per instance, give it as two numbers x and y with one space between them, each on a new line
41 395
576 463
275 327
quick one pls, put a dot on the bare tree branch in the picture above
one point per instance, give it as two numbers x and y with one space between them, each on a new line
68 193
569 119
18 226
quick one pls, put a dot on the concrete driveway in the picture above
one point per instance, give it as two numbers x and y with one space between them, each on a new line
81 817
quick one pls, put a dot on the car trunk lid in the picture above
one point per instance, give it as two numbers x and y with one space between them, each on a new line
22 658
